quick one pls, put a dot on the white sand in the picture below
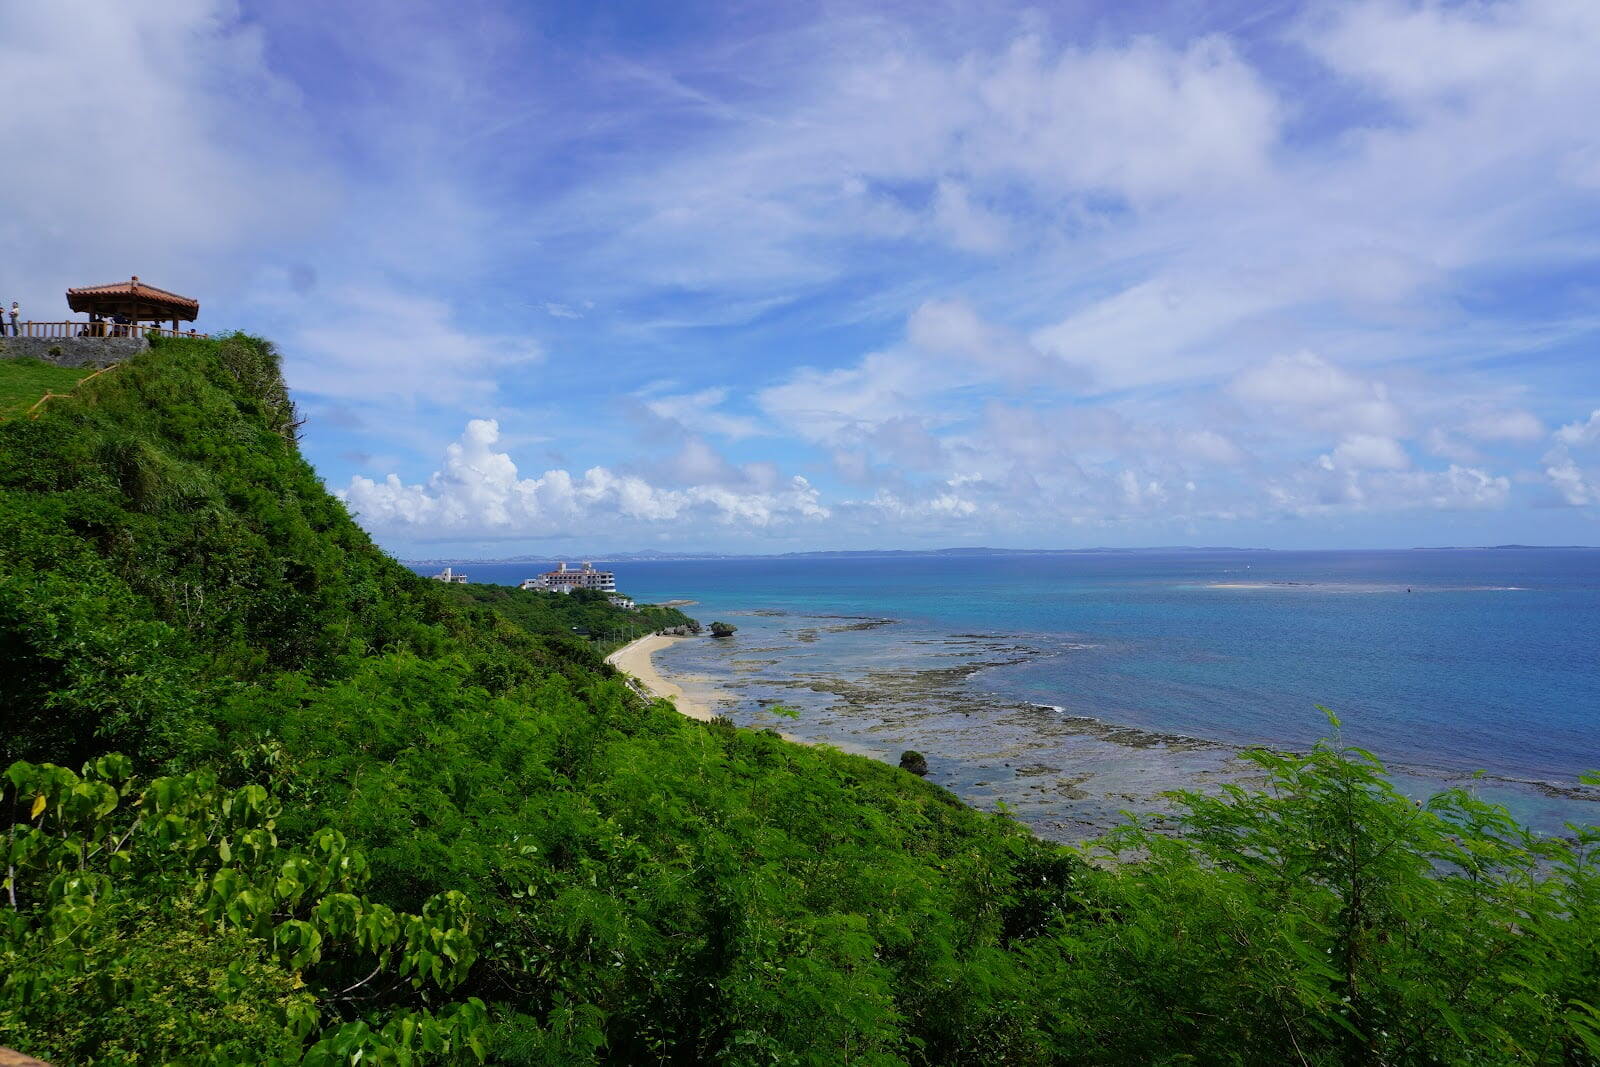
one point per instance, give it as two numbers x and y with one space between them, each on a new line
637 659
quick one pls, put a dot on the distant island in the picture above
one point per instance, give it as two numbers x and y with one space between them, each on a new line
650 555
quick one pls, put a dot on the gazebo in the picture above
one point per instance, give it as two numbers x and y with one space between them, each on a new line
130 303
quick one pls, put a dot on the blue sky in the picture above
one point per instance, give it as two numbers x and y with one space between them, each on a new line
762 277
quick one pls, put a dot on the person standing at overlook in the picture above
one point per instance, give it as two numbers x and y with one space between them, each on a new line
15 313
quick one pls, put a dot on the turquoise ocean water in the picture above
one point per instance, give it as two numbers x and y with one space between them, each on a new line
1076 685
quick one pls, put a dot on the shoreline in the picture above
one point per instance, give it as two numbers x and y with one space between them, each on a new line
636 660
1066 776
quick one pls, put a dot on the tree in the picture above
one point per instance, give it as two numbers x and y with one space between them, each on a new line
1330 919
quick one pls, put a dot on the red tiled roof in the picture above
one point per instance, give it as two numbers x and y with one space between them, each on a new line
93 298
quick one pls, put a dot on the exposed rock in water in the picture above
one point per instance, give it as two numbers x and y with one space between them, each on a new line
914 762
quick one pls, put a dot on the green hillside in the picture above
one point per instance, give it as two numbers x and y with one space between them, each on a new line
23 382
273 798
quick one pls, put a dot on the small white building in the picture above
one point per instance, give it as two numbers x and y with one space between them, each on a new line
565 580
620 601
448 575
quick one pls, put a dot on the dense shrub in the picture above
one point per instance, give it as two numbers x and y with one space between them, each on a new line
584 616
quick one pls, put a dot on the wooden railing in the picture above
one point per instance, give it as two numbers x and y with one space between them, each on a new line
91 329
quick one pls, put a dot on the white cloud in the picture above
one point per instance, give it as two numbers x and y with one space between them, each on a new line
699 411
380 344
1208 447
1140 120
1504 426
823 405
1137 493
148 138
1433 56
1441 442
1583 432
1143 120
1365 451
478 491
1325 488
970 226
1314 392
953 327
1578 485
1145 334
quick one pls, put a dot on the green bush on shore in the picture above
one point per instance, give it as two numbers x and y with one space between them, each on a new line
584 614
579 875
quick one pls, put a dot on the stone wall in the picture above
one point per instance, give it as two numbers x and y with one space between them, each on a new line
73 351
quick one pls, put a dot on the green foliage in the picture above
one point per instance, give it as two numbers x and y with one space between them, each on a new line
163 919
915 762
585 615
1329 919
365 816
722 629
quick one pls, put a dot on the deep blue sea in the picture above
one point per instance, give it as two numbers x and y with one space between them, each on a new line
1074 685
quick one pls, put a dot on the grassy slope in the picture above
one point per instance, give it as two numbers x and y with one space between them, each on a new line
24 381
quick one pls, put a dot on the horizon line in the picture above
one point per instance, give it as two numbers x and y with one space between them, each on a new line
645 554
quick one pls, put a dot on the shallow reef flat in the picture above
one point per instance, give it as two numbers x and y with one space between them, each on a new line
880 686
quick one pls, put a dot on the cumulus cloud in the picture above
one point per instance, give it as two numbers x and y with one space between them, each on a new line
479 492
1577 484
1326 488
1583 432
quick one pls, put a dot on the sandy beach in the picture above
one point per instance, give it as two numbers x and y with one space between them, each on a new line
636 659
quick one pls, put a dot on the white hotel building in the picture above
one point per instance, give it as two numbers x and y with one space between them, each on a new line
562 580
